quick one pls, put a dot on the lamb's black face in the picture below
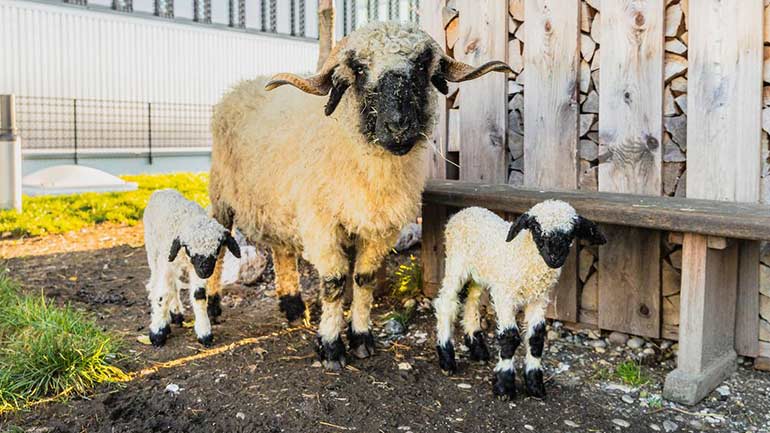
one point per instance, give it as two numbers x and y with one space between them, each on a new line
554 247
395 109
203 264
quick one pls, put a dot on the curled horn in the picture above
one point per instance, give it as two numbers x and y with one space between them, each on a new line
318 84
457 72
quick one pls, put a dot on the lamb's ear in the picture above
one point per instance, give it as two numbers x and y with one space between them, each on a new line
232 245
588 230
520 224
176 245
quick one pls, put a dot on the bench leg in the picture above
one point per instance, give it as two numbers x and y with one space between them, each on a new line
434 219
707 321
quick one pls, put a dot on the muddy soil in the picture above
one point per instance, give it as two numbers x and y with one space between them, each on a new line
275 385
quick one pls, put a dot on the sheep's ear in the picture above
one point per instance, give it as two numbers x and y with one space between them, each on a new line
232 245
588 230
440 83
335 96
176 245
520 224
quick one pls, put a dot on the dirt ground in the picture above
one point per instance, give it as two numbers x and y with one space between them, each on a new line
275 385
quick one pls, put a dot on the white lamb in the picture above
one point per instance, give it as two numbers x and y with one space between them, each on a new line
171 222
519 264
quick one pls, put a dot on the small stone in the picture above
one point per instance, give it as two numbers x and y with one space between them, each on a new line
594 334
600 350
597 343
670 426
723 390
618 338
463 386
556 325
316 364
649 351
172 388
404 366
240 415
677 127
588 150
635 343
628 399
394 327
410 303
529 427
591 105
621 422
697 425
654 427
570 423
553 335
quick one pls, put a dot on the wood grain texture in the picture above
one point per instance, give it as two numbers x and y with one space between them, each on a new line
551 108
551 54
724 130
707 217
431 23
483 36
434 218
630 137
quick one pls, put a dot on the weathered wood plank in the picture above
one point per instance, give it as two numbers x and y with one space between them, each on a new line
630 137
431 23
707 217
484 109
551 117
747 309
434 218
724 126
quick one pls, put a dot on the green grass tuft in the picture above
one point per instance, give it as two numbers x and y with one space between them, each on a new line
60 214
631 373
408 281
49 351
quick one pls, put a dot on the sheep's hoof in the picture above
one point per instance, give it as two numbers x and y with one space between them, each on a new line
332 354
361 344
446 358
158 339
206 340
504 385
477 346
177 319
534 381
293 307
214 306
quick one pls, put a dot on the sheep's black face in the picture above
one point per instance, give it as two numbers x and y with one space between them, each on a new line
203 264
395 110
554 247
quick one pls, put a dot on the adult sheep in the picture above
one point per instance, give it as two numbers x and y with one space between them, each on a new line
311 176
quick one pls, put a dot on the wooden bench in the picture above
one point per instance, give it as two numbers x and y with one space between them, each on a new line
710 329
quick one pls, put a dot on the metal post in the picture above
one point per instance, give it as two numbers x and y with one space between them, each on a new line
75 128
10 156
149 129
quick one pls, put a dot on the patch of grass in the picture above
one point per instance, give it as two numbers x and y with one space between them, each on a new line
64 213
408 279
631 373
49 351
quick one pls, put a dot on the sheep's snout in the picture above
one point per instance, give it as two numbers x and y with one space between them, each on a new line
401 100
555 249
203 265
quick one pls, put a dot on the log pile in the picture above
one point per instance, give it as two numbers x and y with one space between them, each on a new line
764 274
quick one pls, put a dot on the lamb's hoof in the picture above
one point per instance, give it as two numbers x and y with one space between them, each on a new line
361 345
214 306
504 385
446 358
332 355
534 381
293 307
158 339
206 340
177 319
477 346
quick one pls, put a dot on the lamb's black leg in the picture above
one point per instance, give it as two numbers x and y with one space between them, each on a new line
477 345
533 372
504 385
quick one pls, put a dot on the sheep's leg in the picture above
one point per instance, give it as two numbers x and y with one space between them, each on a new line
447 306
287 286
160 299
509 340
200 310
213 288
176 307
474 337
533 373
368 259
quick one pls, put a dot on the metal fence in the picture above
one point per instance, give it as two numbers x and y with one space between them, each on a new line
73 126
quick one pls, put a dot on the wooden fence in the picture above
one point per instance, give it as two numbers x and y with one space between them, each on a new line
599 102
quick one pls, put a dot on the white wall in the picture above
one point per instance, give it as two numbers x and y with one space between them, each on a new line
50 49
